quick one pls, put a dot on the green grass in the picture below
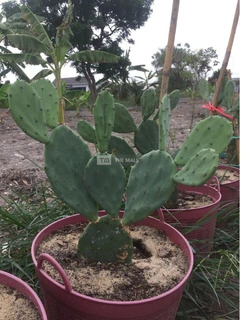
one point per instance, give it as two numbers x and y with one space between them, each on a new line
212 291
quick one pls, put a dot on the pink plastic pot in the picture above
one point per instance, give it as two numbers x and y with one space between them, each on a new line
63 303
197 224
11 281
229 191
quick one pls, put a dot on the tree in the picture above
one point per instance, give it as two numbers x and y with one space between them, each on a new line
27 33
188 66
96 25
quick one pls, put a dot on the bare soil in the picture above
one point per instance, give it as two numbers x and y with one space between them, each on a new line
21 157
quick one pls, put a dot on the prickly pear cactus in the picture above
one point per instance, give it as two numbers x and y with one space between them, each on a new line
27 110
199 168
66 156
164 122
104 115
213 132
105 181
146 137
123 122
87 131
149 102
50 100
149 186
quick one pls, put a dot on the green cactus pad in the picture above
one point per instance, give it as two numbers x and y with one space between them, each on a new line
124 122
149 102
87 131
164 122
105 180
106 241
49 95
199 169
203 89
66 156
104 115
146 137
122 150
213 132
149 186
27 110
174 97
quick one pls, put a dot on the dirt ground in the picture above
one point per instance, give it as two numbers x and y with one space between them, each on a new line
21 157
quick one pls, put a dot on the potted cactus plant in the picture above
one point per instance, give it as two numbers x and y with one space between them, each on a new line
197 159
87 183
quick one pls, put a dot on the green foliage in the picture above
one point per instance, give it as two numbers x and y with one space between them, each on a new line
189 66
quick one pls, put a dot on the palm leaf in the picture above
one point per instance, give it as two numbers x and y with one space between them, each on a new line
36 27
22 57
27 43
42 74
94 56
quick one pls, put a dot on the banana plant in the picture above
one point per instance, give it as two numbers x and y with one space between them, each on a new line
25 31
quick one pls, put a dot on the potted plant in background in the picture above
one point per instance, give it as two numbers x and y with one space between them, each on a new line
18 299
228 171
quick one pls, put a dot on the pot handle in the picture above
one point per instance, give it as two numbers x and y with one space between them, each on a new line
161 215
214 182
46 257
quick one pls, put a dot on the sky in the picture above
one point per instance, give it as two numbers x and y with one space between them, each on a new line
200 23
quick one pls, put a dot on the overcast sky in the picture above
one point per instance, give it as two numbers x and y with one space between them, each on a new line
201 23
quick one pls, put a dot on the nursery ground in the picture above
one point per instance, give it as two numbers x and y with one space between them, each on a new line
21 157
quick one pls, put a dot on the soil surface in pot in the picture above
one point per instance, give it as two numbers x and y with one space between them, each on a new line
189 200
227 175
157 265
15 306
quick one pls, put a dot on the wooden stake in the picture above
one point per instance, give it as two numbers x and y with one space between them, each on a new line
169 49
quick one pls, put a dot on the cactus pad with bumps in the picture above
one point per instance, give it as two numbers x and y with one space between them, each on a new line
124 122
104 115
105 181
149 102
27 110
149 186
214 132
200 168
107 241
146 136
50 100
66 156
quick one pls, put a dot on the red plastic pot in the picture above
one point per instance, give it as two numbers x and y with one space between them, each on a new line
197 224
63 303
229 191
14 282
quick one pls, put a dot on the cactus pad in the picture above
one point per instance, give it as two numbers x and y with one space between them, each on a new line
213 132
87 131
164 122
146 136
104 115
105 181
149 102
124 122
199 169
122 150
107 241
27 110
50 99
66 156
149 186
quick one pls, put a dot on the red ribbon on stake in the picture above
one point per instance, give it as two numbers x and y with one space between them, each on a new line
219 110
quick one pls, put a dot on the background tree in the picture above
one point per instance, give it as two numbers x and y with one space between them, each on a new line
188 66
97 24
